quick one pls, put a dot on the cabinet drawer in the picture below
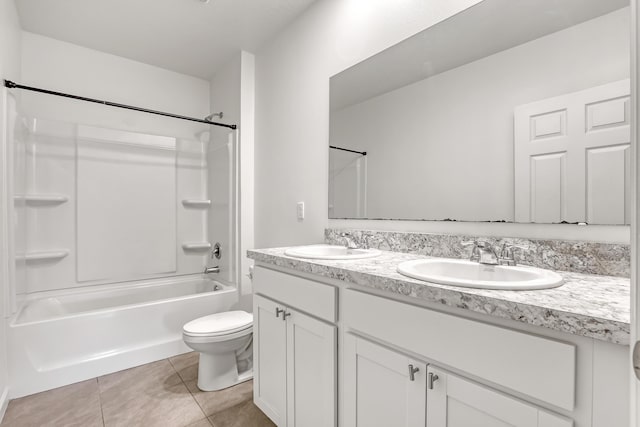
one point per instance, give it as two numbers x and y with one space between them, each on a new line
539 367
317 299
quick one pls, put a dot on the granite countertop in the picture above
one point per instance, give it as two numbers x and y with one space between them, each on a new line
588 305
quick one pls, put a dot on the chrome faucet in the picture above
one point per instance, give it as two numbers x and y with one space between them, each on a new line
507 255
215 253
348 241
482 252
208 270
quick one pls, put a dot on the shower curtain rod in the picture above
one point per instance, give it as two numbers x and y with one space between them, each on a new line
364 153
12 85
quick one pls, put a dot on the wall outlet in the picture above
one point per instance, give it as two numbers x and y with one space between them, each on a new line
300 210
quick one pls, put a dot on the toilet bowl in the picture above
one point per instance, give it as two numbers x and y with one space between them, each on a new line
225 343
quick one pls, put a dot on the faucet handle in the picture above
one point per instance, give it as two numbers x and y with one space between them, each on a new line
507 255
475 252
510 247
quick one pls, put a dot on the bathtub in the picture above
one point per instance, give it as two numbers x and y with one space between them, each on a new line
69 336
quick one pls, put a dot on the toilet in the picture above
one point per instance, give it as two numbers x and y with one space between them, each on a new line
225 343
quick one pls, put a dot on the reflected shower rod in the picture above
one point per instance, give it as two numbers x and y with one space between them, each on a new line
11 85
364 153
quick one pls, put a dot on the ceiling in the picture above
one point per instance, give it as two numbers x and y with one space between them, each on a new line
187 36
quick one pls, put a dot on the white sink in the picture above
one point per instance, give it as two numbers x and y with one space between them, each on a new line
470 274
330 252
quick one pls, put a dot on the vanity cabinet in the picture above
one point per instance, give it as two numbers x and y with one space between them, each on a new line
453 401
382 387
295 353
405 364
270 359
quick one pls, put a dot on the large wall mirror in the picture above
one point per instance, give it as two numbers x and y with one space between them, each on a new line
512 110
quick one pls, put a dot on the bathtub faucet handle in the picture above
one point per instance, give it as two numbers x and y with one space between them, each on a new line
216 252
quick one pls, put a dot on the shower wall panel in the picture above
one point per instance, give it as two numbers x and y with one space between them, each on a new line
108 205
126 204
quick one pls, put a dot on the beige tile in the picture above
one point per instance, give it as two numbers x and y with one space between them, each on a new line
149 395
243 415
201 423
213 402
186 365
140 377
73 405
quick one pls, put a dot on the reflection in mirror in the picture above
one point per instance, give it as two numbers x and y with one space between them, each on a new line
509 111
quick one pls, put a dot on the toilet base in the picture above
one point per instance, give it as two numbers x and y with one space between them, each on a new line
220 371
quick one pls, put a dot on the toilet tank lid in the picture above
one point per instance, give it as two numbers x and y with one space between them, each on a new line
226 322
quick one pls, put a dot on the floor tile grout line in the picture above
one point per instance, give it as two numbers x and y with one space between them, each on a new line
206 417
100 401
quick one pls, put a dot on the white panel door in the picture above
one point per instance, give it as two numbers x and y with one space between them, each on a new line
311 371
456 402
270 359
379 390
572 157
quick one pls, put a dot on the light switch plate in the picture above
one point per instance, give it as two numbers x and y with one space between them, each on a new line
300 210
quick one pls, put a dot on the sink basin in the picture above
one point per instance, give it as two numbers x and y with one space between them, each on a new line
470 274
330 252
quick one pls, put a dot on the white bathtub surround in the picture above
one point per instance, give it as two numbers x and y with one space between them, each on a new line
586 257
62 337
588 305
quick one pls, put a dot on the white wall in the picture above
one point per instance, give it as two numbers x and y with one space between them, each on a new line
65 67
233 93
292 117
9 69
457 127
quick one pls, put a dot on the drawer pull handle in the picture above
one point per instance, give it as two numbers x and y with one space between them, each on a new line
278 311
412 372
431 379
285 315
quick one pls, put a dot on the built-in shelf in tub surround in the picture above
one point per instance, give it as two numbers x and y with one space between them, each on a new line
196 203
196 246
44 255
609 259
41 199
594 306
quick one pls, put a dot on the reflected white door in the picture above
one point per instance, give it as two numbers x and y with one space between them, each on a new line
572 157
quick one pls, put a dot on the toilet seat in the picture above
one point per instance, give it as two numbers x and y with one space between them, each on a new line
236 323
224 342
208 339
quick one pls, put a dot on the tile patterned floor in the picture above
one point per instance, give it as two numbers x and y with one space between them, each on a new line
162 394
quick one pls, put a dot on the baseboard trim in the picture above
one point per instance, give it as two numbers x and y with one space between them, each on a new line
4 402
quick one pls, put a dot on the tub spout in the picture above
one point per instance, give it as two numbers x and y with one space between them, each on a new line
208 270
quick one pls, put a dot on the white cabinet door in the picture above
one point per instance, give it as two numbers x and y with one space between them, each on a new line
572 157
270 359
311 371
456 402
379 389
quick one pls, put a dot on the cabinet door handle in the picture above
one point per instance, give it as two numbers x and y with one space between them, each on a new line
285 315
432 378
412 372
278 311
